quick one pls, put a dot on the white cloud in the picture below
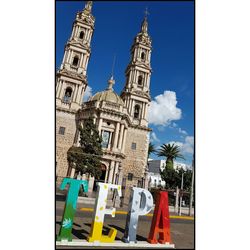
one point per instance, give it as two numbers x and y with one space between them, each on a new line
153 137
181 131
174 125
163 109
161 128
87 94
187 147
178 143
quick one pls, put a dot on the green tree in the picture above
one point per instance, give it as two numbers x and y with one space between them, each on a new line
170 176
151 149
187 179
171 152
87 157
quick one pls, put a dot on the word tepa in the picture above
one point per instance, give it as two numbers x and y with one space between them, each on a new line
140 203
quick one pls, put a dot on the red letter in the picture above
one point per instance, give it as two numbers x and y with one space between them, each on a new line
160 222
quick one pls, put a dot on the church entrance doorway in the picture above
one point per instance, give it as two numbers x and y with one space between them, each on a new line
102 177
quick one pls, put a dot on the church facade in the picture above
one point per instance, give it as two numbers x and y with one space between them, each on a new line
122 120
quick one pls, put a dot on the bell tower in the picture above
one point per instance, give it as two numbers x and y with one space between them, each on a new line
71 78
136 98
136 93
71 83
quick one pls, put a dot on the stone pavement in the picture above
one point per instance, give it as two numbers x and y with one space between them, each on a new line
182 233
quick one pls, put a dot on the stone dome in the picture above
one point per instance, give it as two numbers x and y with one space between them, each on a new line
108 95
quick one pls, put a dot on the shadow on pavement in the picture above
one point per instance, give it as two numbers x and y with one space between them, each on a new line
138 237
60 197
81 234
87 224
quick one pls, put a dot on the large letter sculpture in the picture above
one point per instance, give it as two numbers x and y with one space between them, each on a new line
70 206
160 222
140 203
100 211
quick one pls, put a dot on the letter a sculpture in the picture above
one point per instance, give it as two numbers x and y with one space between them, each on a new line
160 222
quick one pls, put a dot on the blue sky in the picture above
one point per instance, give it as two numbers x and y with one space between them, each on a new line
171 27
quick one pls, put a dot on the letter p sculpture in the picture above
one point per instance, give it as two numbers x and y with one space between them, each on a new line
140 203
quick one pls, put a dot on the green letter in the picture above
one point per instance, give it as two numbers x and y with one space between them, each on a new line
70 206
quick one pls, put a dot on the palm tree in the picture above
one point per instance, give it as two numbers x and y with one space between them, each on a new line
171 152
151 149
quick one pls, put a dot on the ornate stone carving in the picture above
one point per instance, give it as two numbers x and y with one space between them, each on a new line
72 74
112 105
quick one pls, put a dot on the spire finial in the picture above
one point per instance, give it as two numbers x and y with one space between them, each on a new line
113 66
111 81
88 5
144 26
146 13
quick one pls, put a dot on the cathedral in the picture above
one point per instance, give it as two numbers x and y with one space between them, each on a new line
122 120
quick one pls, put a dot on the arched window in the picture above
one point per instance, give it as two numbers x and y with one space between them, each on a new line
81 35
140 78
75 61
105 138
130 176
67 96
136 111
143 56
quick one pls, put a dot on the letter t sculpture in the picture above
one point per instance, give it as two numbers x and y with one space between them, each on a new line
70 206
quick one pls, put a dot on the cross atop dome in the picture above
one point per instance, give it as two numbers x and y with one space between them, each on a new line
111 82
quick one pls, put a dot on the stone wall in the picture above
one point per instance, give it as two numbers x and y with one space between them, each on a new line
136 159
64 142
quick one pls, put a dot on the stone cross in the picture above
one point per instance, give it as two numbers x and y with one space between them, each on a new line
146 12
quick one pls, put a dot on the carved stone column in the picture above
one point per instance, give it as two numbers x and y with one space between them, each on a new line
100 126
124 140
72 174
116 135
121 137
111 171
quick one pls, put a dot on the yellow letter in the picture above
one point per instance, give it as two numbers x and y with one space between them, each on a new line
100 211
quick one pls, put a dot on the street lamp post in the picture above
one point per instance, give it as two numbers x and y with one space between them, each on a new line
176 200
192 189
181 192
